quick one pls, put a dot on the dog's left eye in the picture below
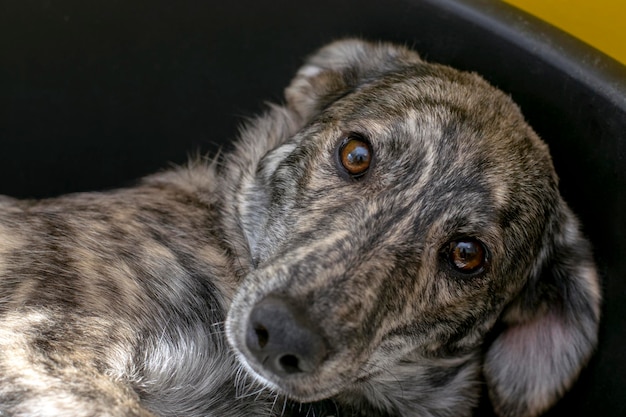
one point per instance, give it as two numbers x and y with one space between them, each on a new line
355 155
467 255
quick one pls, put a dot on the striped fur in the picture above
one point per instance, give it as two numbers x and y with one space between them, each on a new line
136 302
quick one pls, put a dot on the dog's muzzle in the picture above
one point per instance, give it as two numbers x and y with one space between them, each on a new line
282 340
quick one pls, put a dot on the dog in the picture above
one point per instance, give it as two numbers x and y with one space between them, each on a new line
386 243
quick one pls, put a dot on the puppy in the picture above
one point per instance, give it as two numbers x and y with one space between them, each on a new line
384 244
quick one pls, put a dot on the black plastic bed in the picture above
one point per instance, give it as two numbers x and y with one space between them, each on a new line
96 94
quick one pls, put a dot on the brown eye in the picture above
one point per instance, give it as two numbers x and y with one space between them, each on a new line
467 255
355 156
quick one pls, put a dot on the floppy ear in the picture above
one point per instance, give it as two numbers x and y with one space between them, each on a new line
551 329
338 68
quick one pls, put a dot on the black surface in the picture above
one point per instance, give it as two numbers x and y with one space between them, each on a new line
95 94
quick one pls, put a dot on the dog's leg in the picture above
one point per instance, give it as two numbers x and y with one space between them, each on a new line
39 376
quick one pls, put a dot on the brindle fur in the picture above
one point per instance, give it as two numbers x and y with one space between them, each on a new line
121 303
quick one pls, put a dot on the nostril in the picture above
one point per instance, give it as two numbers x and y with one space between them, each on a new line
262 335
289 364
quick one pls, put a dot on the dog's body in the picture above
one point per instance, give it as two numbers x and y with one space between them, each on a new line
373 282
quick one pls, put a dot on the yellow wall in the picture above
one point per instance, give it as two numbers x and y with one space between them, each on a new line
600 23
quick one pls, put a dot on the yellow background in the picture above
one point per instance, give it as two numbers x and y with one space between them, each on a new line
600 23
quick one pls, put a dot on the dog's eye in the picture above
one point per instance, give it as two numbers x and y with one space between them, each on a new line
467 255
355 155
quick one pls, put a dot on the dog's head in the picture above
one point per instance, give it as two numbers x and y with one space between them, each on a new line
414 213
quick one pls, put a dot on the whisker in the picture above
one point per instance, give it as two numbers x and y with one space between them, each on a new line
239 386
258 393
274 404
282 413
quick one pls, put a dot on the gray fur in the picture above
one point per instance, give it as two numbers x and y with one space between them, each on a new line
136 302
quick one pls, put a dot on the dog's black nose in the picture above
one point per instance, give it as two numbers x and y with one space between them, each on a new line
282 339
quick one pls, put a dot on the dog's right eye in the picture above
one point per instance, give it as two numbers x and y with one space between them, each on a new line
355 155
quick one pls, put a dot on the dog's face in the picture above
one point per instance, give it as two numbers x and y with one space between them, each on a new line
413 212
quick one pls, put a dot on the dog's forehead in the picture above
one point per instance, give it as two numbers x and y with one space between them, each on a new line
435 106
428 95
433 127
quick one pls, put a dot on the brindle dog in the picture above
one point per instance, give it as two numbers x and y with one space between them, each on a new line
388 241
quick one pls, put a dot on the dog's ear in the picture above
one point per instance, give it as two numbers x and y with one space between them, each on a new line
550 330
338 68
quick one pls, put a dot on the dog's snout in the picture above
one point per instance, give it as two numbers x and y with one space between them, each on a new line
282 339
